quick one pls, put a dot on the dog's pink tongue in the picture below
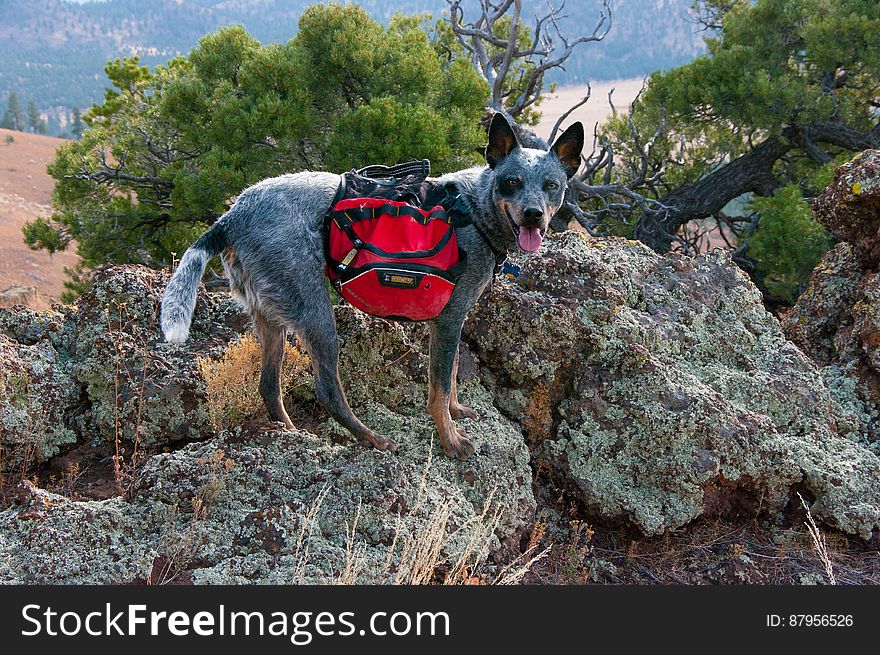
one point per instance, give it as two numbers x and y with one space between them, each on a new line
530 238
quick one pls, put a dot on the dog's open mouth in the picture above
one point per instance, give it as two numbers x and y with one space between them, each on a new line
529 238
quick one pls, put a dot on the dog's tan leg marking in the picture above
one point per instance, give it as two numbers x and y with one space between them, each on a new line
456 409
453 439
272 338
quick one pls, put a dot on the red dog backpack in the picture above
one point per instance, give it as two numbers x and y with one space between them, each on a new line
391 248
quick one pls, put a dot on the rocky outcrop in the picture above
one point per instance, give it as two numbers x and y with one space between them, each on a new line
18 296
850 206
35 394
266 505
100 371
657 389
661 390
256 504
837 319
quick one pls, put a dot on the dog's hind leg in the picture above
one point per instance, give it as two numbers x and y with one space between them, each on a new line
318 334
272 338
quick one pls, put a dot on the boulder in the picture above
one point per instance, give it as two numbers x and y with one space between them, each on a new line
660 390
36 394
100 371
657 389
259 503
850 206
20 295
837 319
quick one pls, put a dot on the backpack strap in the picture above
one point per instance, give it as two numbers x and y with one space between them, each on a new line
420 168
461 216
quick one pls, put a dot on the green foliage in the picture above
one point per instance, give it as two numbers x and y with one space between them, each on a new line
40 234
775 68
787 244
777 64
35 121
13 118
167 151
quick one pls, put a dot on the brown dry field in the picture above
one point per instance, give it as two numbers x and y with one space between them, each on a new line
26 188
596 110
25 192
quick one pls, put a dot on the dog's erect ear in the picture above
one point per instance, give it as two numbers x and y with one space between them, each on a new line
501 140
568 148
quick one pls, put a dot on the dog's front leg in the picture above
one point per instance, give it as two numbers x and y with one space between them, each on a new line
456 409
445 336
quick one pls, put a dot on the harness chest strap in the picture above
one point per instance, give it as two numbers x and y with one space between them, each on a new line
460 214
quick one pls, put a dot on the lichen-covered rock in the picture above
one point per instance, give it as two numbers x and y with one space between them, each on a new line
254 491
139 387
261 504
36 393
850 206
101 371
837 319
661 390
28 326
51 539
814 323
657 388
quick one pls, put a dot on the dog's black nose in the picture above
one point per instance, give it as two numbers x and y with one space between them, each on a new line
532 215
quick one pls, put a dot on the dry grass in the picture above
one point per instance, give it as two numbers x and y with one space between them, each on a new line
539 414
419 556
233 380
742 549
818 542
705 552
179 546
180 542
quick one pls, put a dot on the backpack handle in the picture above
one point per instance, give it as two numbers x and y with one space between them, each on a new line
420 168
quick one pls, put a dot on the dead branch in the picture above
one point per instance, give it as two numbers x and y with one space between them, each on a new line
494 56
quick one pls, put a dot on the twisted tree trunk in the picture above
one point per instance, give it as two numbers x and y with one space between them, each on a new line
751 172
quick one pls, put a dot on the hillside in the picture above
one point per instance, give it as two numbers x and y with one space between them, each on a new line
25 192
54 51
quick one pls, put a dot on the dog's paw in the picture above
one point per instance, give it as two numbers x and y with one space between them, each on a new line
457 445
381 443
457 410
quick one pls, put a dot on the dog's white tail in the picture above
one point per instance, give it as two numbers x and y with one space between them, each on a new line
179 300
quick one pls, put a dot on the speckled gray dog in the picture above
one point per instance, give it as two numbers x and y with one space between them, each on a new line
271 244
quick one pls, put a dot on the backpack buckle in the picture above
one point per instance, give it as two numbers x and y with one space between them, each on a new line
347 259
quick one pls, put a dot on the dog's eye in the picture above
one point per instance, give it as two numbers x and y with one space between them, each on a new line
513 183
551 186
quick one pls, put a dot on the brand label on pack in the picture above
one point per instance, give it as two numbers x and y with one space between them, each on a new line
400 280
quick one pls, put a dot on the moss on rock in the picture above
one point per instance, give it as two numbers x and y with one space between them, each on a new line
676 394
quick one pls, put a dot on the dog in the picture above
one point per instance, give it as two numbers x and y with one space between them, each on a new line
271 242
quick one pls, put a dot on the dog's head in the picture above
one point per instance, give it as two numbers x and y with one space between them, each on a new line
529 183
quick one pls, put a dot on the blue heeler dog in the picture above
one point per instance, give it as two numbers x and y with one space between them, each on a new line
272 245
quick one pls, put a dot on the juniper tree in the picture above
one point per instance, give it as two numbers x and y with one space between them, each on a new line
168 149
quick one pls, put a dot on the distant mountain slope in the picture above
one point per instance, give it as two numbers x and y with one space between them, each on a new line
25 193
53 51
